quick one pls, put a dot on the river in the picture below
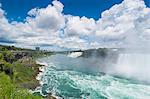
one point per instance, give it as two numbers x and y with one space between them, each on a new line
81 78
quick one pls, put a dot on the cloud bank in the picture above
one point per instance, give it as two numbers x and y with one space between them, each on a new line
124 25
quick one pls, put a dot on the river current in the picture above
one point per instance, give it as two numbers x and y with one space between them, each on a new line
79 78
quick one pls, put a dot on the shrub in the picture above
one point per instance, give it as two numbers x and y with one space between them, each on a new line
8 90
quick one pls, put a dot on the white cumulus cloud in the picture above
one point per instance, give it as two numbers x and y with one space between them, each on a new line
123 25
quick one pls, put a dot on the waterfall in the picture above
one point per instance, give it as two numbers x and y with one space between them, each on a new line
71 78
74 54
134 65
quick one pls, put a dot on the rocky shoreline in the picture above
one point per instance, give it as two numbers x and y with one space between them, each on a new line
20 68
40 73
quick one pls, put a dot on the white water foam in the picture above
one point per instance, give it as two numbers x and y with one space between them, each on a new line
74 54
133 65
73 84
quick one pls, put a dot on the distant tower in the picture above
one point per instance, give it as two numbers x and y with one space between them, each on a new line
37 48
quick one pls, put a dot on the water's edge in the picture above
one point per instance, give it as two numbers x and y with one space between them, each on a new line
60 80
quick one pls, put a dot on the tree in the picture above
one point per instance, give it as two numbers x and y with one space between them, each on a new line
1 56
8 90
8 56
6 87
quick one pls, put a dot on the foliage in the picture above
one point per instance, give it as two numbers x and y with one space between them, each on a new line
6 87
1 56
8 90
6 67
23 73
8 56
15 75
4 48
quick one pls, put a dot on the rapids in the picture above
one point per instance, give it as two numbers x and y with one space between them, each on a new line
81 78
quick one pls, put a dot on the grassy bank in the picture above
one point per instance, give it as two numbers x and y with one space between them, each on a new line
18 70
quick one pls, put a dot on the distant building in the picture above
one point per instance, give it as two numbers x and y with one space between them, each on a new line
37 48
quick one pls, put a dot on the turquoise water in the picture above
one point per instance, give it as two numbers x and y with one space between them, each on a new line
69 78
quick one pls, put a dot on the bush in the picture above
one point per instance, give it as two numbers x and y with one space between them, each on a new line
6 67
8 90
23 73
1 56
6 87
8 56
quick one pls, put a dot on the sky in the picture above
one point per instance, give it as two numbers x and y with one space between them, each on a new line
74 24
18 9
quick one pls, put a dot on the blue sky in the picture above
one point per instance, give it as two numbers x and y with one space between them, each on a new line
18 9
75 24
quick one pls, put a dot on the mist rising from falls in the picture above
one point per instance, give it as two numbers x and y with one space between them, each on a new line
132 65
86 65
126 64
75 78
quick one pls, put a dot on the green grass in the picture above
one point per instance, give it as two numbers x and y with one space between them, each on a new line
17 75
8 90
